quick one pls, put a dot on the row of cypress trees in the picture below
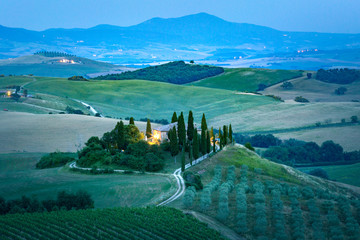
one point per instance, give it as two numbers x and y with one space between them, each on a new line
182 139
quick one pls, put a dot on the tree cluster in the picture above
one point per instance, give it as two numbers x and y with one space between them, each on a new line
340 91
64 201
301 99
293 152
174 72
258 140
77 78
339 76
55 159
122 147
71 110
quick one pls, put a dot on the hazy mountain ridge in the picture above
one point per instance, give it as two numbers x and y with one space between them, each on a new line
195 35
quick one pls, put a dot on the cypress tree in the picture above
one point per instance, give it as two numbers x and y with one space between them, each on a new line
208 144
195 145
183 160
230 133
174 147
120 135
221 138
181 130
225 134
148 128
199 144
190 128
131 121
203 122
203 142
190 154
214 145
174 118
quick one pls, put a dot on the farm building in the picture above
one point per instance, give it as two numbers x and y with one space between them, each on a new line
161 133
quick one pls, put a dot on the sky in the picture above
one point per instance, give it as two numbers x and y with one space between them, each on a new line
333 16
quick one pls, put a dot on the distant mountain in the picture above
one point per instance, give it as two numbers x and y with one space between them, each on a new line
192 36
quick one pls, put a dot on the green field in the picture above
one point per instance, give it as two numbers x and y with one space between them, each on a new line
118 223
343 173
346 136
247 79
139 98
18 176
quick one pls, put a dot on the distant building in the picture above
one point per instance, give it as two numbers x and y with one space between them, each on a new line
161 133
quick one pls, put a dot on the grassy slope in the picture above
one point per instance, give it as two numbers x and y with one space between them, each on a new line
47 133
347 136
316 91
140 98
18 177
346 173
270 172
246 79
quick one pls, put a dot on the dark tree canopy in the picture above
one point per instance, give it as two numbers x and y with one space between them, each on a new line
174 72
190 128
340 76
174 118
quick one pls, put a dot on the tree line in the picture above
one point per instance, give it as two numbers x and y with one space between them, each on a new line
189 140
339 76
177 72
64 201
293 152
53 54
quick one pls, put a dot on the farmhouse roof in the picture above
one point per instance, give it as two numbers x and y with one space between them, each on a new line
166 128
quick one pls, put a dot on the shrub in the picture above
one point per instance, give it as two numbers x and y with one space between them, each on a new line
319 172
301 99
189 196
248 146
55 159
192 179
205 200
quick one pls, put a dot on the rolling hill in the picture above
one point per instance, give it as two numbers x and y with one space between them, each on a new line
247 79
53 67
258 198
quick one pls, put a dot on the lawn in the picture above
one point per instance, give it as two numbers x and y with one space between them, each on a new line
346 136
247 79
18 176
25 132
139 98
343 173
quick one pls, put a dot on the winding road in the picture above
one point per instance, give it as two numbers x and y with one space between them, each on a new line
177 175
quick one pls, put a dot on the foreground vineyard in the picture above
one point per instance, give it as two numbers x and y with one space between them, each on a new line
117 223
257 205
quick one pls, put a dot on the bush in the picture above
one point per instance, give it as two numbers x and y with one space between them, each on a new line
189 196
192 179
205 200
340 91
248 146
55 159
319 172
301 99
287 85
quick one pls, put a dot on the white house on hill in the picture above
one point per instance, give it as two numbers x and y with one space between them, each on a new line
161 133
